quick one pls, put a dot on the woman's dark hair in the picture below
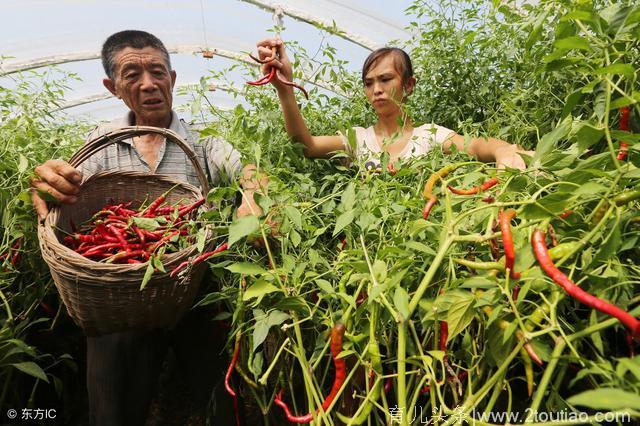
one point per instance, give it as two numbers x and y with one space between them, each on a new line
129 38
401 60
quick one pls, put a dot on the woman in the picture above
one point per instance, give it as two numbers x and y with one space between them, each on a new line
388 79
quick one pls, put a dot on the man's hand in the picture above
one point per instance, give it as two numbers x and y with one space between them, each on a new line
251 182
248 206
57 179
509 156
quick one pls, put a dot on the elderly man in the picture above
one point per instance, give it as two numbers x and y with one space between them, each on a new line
122 368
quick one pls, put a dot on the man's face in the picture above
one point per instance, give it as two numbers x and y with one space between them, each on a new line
142 79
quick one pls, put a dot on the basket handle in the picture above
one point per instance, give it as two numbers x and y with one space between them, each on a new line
101 142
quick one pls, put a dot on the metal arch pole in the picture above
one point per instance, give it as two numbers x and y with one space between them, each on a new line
212 87
310 19
15 67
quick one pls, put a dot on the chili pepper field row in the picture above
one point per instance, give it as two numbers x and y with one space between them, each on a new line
362 308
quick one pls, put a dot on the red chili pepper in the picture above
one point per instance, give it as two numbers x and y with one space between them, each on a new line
542 254
116 232
483 187
565 214
16 249
199 259
388 384
507 242
155 204
140 234
624 126
162 241
124 255
428 206
274 73
188 209
337 334
227 386
100 249
515 292
265 79
292 84
427 191
444 336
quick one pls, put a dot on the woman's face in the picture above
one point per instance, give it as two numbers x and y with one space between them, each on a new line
383 86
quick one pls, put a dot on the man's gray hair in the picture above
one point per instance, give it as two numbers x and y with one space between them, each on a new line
129 38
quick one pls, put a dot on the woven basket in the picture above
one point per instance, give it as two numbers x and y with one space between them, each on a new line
106 298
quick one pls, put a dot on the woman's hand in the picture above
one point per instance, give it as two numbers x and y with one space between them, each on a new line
280 61
509 156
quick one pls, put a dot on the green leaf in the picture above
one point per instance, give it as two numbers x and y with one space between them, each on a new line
587 135
293 303
348 197
325 286
242 227
246 268
201 239
147 223
606 399
259 289
460 313
32 369
623 69
631 365
294 215
417 246
549 141
344 220
157 263
295 238
571 43
579 14
147 276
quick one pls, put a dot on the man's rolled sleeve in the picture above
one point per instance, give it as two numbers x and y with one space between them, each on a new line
223 160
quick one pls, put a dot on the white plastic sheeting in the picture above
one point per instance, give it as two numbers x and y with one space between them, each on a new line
49 30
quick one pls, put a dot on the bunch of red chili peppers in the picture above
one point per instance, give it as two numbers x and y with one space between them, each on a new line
118 234
273 73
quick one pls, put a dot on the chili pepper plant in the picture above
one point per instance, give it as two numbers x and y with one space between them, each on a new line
451 310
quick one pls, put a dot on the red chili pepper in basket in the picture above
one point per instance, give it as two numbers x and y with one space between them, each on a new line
481 188
507 242
542 254
188 209
624 126
337 334
199 259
